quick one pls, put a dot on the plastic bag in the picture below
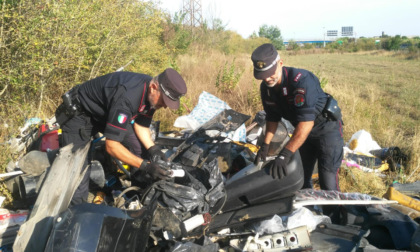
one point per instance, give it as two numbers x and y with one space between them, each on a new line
198 191
206 246
304 217
10 218
208 107
271 226
362 142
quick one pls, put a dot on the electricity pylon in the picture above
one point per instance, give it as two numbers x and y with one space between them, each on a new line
192 10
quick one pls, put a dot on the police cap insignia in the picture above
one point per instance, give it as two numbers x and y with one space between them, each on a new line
260 64
265 59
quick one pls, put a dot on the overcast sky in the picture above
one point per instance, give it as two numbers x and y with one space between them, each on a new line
310 19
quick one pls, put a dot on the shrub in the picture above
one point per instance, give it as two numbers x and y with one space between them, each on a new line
228 77
253 95
50 47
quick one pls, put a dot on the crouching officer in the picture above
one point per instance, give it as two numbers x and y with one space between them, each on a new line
121 106
296 95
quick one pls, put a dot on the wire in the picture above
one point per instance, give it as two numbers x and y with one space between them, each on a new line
122 228
223 204
125 210
131 188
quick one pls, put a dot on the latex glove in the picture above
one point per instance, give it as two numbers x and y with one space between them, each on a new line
156 153
262 153
278 168
154 171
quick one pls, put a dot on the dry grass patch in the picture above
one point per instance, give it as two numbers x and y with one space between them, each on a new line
376 92
355 180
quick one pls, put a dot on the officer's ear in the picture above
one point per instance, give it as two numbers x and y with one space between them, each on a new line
154 86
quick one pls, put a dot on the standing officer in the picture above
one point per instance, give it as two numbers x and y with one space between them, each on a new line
121 106
296 95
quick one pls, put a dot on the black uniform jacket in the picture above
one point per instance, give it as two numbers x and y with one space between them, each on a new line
117 100
299 98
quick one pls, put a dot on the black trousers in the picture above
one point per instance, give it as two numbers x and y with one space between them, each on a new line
79 130
328 150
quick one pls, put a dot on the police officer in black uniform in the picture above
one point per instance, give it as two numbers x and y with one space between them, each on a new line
121 106
296 95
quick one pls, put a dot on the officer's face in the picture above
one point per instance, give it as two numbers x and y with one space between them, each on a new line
275 78
155 98
158 103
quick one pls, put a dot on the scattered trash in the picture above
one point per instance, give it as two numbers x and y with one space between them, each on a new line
10 218
365 153
207 108
362 142
393 194
411 189
305 217
217 199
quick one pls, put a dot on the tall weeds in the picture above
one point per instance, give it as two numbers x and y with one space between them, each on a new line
374 91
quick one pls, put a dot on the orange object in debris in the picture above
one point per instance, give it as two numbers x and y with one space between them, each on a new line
393 194
99 198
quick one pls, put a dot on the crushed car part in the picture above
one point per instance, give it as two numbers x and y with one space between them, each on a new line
108 229
226 121
54 197
296 239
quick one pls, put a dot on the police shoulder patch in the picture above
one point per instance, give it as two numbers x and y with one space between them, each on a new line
120 118
299 100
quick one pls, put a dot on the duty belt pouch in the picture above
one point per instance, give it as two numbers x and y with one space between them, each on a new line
332 110
70 106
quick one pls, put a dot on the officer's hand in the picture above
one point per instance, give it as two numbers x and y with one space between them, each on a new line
154 171
278 168
262 153
156 153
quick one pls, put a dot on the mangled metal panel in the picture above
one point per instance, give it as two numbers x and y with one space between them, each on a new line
54 197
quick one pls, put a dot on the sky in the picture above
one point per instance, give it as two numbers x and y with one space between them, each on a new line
311 19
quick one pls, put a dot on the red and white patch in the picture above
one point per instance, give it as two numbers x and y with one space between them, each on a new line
298 77
284 91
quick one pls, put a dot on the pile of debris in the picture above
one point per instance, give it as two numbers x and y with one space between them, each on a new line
218 200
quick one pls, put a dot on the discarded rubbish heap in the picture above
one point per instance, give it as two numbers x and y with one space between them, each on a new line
217 199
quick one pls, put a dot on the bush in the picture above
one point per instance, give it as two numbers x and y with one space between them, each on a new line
49 48
176 38
253 95
228 77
